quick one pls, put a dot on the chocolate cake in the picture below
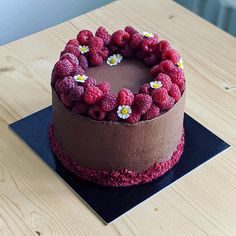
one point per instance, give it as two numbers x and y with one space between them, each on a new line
117 107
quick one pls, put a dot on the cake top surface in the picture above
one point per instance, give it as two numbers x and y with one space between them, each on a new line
124 77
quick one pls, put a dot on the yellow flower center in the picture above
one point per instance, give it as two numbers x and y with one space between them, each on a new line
156 85
180 64
80 78
124 111
113 61
83 49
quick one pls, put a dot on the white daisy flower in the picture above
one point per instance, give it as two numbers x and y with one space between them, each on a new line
83 49
180 63
148 34
156 84
114 59
80 78
124 112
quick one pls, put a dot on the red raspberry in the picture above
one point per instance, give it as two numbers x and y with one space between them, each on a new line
54 76
133 118
105 87
108 102
84 36
92 95
95 60
76 93
90 82
113 116
176 75
125 97
140 54
151 113
151 59
71 57
83 62
171 54
144 89
65 100
165 80
67 84
130 30
73 42
104 35
95 44
113 49
120 37
96 113
78 71
58 86
164 66
163 45
63 68
142 102
160 96
126 51
182 86
155 70
136 41
175 92
148 44
80 108
168 104
104 53
71 49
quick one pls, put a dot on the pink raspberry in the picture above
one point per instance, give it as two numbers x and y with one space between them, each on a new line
144 89
95 60
165 80
164 66
84 36
92 95
95 45
83 62
96 113
120 37
151 113
130 30
142 102
168 104
104 53
76 93
105 87
108 102
113 116
90 82
125 97
155 70
175 92
160 96
80 108
73 42
171 54
78 71
126 51
63 68
136 41
113 49
140 54
71 49
70 57
163 45
104 35
151 59
65 100
148 44
176 75
133 118
182 86
67 84
58 86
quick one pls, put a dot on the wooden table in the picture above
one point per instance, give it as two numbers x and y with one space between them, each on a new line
33 200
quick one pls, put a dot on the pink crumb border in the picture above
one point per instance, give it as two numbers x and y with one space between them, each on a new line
122 178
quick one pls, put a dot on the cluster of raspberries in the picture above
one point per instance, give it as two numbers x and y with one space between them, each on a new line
96 100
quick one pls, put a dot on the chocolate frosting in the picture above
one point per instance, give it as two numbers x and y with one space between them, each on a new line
103 145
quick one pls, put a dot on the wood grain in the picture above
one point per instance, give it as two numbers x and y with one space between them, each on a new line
34 201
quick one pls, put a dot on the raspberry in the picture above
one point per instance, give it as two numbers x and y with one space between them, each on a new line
148 44
73 42
89 82
104 35
58 86
144 89
70 57
160 96
78 71
63 68
155 70
65 100
113 116
175 92
67 84
136 41
125 97
96 113
95 60
130 30
176 75
108 102
151 59
165 80
104 87
80 108
142 103
84 36
95 44
151 113
113 49
120 37
92 95
171 54
140 54
182 86
104 53
83 62
163 45
54 76
71 49
168 104
164 66
126 51
76 93
133 118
